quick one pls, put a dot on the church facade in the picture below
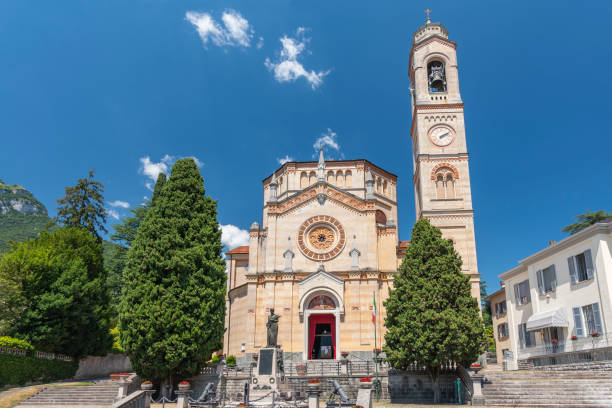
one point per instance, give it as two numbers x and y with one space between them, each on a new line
327 249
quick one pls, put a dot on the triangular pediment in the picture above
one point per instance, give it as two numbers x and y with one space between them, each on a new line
321 191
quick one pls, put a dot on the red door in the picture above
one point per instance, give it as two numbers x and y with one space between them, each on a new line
322 336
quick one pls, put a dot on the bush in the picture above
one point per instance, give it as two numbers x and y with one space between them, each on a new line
17 370
117 349
215 359
13 343
230 361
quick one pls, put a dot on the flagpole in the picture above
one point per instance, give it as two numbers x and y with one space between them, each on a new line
375 348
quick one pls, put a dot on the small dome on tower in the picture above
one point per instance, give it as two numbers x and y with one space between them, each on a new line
429 30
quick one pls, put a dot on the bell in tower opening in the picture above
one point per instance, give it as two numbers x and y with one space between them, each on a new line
436 76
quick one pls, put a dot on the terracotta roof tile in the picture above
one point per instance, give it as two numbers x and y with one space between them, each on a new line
239 250
403 244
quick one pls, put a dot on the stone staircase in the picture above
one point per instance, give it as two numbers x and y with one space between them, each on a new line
100 394
537 388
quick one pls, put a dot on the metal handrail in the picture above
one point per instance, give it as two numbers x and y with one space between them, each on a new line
564 346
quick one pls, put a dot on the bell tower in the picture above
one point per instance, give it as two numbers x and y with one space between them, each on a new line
440 157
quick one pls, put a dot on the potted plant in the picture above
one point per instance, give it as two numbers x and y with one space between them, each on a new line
114 376
242 405
301 369
554 341
230 361
344 354
184 385
475 367
595 334
574 337
146 386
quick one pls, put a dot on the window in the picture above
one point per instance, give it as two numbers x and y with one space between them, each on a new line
521 292
592 318
321 302
500 308
312 178
547 280
445 184
581 266
339 179
502 330
436 76
349 178
526 338
303 180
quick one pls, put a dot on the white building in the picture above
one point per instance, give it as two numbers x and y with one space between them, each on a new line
559 301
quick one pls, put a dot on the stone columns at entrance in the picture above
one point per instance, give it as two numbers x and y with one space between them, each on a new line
182 396
477 397
314 389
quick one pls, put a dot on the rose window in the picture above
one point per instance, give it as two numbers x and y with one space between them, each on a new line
321 238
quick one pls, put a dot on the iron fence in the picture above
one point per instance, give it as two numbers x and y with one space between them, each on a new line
578 345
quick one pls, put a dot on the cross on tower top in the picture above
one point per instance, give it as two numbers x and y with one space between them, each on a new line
428 11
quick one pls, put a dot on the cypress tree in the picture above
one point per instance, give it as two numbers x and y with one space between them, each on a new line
432 317
172 309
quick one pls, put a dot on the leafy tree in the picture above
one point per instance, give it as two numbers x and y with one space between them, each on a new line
172 308
58 298
431 316
585 220
83 206
114 262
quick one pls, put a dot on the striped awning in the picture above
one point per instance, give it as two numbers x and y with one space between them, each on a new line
549 318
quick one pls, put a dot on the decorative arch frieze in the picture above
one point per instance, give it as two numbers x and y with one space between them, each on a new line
437 167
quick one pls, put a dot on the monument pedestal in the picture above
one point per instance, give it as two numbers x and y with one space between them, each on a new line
264 384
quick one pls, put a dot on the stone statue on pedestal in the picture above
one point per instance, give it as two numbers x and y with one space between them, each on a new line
272 326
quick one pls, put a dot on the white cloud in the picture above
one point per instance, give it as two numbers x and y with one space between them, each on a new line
288 68
328 138
283 160
119 203
260 43
152 169
232 236
235 31
113 214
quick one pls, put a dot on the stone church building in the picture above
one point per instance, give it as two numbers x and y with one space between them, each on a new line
328 241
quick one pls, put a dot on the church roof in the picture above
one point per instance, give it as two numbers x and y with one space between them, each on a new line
314 165
239 250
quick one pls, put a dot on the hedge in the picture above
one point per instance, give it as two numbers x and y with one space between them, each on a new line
13 343
17 370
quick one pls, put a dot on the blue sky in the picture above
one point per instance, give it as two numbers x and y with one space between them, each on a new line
115 85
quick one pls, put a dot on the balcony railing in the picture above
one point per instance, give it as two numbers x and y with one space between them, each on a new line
567 346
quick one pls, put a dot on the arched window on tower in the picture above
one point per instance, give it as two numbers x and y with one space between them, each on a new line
445 183
303 180
436 76
312 178
330 177
450 186
280 186
440 187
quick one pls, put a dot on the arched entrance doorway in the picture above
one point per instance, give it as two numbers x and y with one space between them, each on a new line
322 328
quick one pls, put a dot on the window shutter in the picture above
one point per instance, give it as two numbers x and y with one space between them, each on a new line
597 318
540 285
572 269
517 294
578 322
589 263
496 308
499 331
521 338
553 284
506 329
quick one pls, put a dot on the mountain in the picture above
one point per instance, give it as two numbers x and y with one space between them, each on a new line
22 216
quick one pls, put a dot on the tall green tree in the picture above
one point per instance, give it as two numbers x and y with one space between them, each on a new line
115 254
83 206
585 220
172 308
431 316
485 305
58 299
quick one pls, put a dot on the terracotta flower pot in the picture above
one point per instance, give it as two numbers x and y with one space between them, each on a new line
146 386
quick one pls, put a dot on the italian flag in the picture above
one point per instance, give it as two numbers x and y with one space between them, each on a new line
373 308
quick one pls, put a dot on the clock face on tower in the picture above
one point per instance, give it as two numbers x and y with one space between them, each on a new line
442 135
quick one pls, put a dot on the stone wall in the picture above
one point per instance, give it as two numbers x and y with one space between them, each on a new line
95 367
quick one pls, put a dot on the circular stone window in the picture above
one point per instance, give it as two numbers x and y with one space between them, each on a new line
321 238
